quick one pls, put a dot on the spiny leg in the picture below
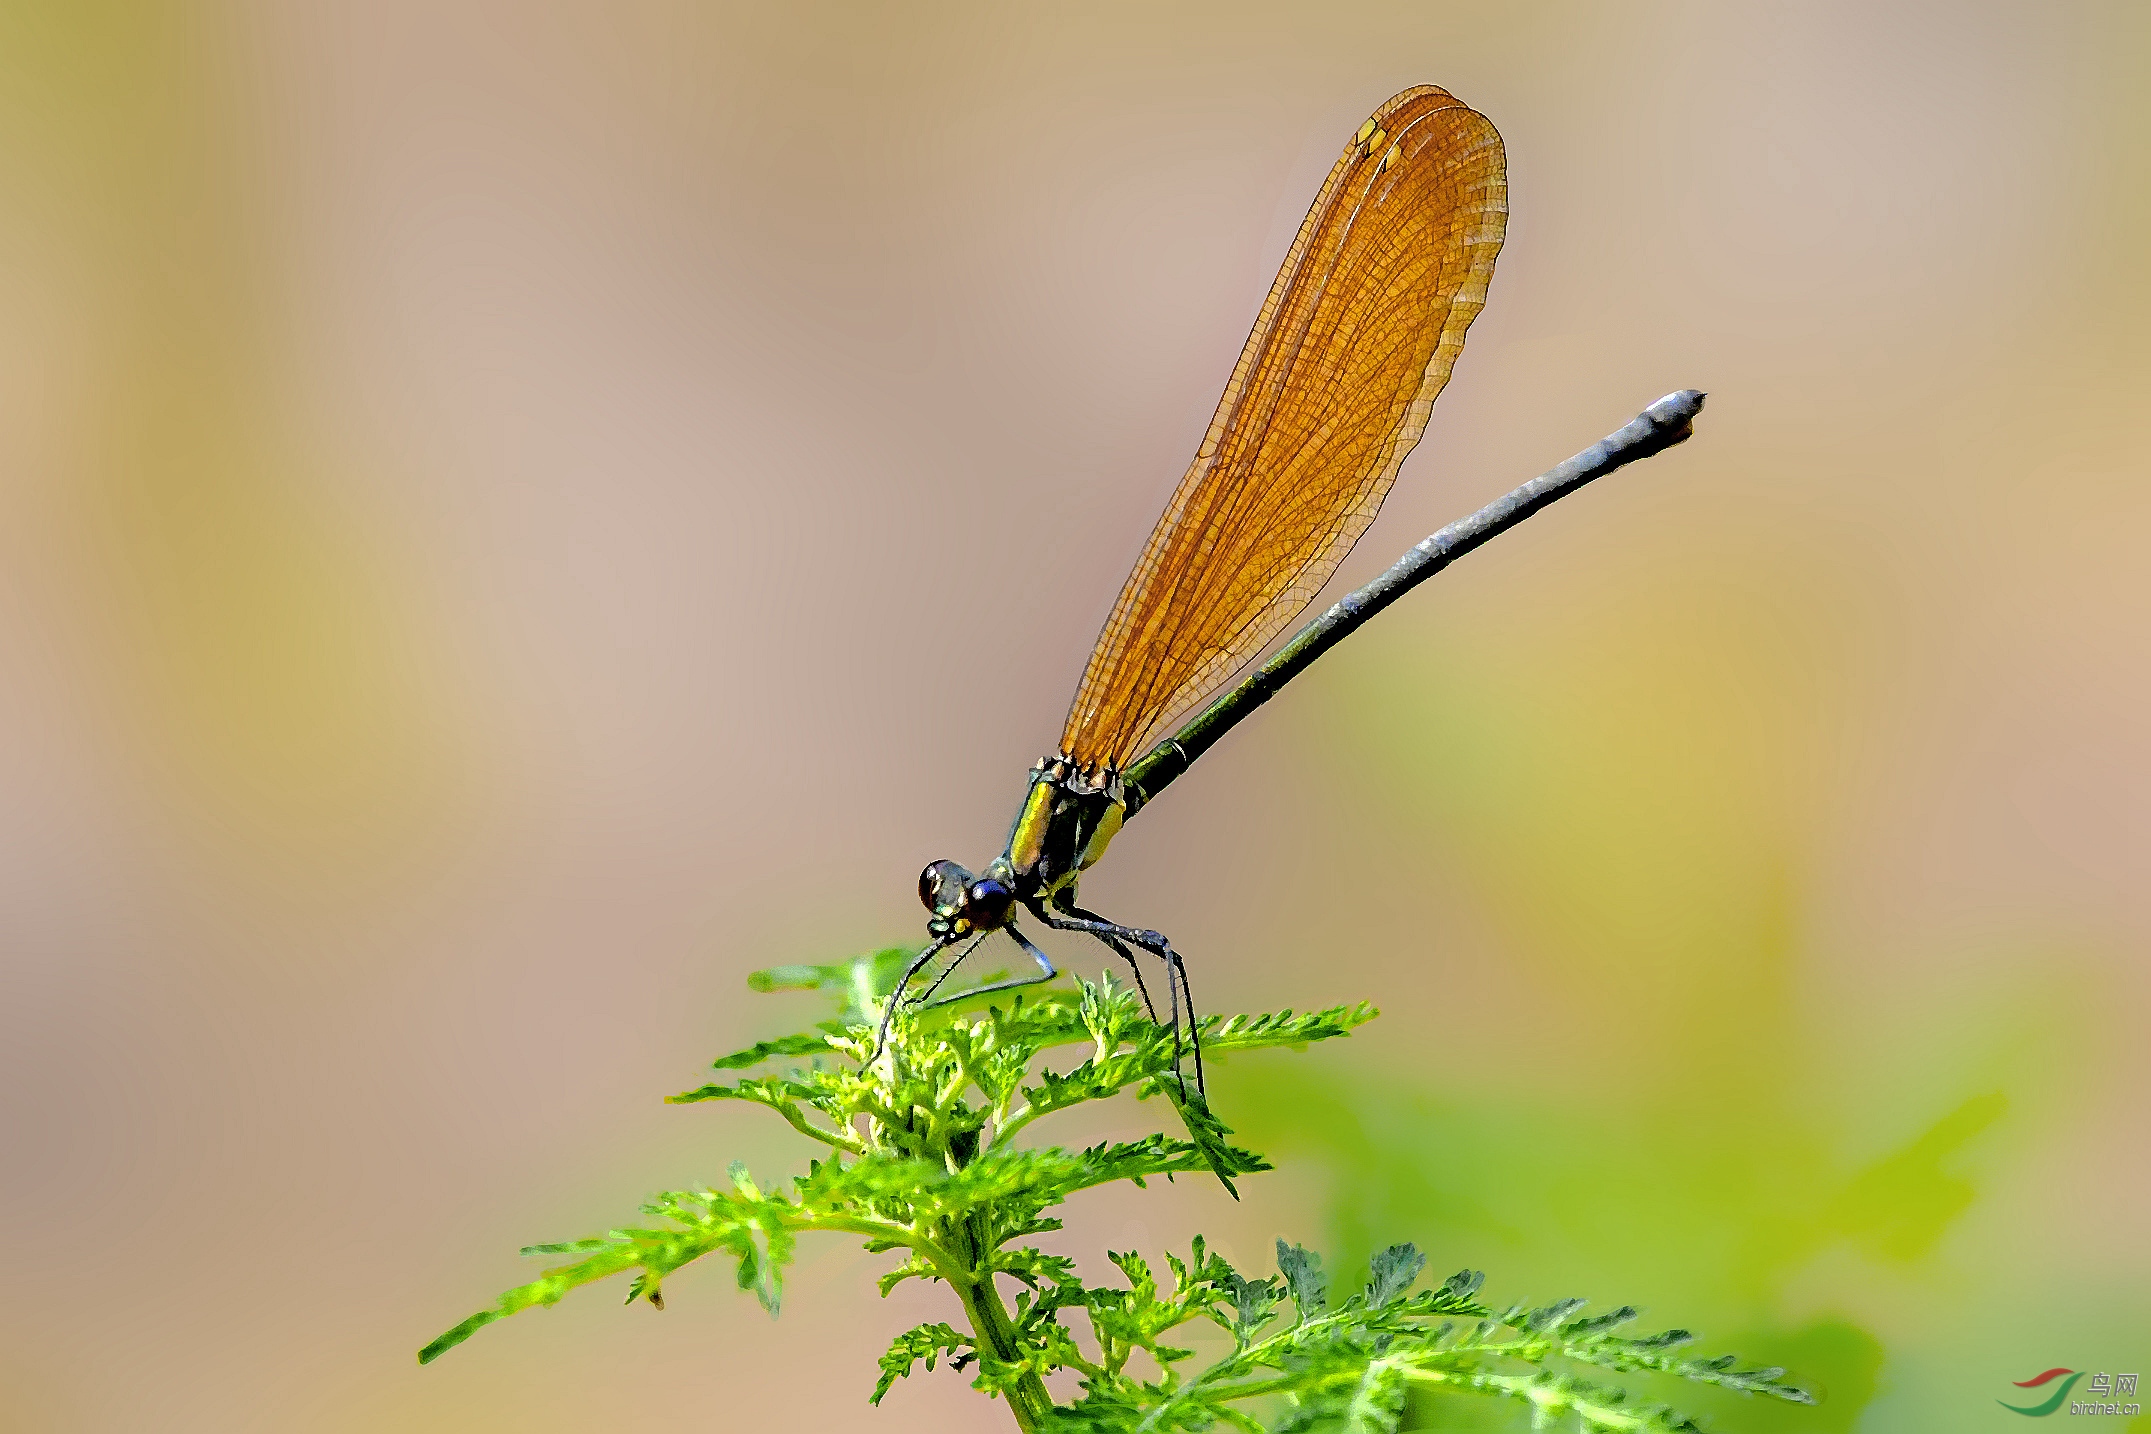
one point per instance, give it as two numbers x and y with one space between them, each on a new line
1172 988
1187 992
1157 946
949 970
888 1012
1045 973
1066 903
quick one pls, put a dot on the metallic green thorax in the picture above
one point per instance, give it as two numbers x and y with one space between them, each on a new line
1067 818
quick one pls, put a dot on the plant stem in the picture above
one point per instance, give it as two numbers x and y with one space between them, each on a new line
1028 1400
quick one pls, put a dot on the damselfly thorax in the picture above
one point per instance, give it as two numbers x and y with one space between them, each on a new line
1069 815
1067 818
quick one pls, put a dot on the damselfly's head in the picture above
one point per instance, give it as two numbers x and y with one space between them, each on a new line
962 903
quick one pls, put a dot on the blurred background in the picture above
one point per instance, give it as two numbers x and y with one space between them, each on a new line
486 492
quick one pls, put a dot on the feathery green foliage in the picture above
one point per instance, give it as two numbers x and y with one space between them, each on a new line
924 1157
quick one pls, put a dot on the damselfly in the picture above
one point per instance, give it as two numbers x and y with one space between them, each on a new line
1355 341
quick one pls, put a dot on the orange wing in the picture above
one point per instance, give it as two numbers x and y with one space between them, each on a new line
1357 337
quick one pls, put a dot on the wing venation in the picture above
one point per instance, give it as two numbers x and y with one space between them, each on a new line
1355 340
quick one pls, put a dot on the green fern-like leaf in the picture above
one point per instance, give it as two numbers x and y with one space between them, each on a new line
926 1153
920 1342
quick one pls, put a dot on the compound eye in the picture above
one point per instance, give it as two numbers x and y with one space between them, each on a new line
988 902
941 885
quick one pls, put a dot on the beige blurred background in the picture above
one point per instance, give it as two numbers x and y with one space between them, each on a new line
488 494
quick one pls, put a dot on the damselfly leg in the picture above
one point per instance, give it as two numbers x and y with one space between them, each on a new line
1089 924
926 997
1045 973
1178 992
896 997
1135 969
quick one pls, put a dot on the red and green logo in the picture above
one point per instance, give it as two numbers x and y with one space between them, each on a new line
2040 1411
